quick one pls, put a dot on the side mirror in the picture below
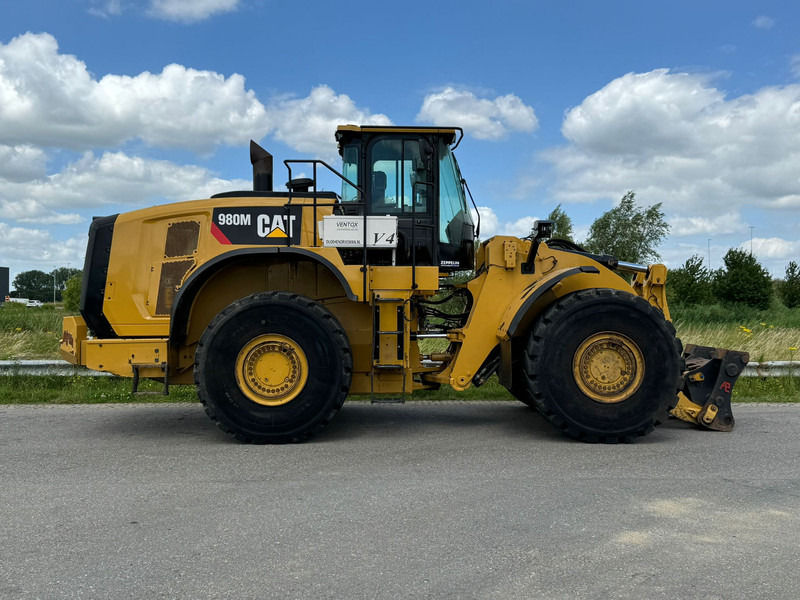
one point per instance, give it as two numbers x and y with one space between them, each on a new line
542 229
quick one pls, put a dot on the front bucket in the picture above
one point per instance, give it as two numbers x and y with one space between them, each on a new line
705 398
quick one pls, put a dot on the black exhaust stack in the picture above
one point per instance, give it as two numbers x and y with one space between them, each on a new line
262 168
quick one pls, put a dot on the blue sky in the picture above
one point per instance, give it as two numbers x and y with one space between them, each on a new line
113 105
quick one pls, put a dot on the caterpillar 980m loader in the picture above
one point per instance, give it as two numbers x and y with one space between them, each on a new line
278 304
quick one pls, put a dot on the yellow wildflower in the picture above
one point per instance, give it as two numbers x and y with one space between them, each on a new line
792 348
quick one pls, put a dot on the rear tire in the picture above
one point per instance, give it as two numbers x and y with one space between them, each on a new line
603 366
274 367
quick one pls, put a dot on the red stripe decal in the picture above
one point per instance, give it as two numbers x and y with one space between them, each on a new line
217 233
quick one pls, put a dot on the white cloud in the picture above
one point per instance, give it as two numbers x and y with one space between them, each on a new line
51 99
717 225
113 178
764 22
21 163
33 211
483 118
107 8
675 139
23 249
189 11
641 112
773 248
491 224
308 124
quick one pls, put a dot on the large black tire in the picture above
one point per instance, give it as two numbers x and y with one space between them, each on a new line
519 388
603 366
293 340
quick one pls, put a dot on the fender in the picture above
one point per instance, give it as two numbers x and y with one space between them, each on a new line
189 290
519 313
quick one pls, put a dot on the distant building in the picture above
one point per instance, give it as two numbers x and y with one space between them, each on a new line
3 283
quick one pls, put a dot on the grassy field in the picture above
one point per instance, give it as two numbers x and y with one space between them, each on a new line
27 333
767 335
30 333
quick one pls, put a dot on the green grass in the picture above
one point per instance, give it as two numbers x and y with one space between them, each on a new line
739 314
768 389
28 389
53 389
18 317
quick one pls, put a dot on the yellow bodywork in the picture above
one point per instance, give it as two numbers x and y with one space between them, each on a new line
117 356
156 251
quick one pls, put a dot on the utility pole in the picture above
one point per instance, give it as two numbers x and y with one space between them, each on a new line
751 239
709 255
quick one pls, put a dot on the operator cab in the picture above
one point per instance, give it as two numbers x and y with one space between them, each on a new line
411 174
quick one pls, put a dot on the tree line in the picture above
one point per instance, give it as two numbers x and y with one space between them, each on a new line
632 233
38 285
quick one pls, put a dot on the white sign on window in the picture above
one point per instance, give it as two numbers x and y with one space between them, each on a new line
344 232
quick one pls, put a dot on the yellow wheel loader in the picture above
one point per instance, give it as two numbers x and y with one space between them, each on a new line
277 305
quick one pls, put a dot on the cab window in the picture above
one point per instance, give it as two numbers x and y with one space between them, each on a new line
398 171
350 171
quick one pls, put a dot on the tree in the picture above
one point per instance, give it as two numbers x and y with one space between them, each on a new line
62 275
629 232
34 285
789 289
72 293
562 224
690 284
743 280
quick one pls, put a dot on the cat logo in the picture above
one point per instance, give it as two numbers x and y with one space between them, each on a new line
275 226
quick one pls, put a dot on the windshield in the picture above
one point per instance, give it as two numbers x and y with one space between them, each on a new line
452 202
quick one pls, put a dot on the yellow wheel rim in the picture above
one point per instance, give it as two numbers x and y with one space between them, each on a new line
608 367
271 370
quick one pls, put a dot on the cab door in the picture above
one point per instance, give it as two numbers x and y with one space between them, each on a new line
401 182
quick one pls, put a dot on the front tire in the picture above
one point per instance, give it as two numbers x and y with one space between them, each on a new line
603 366
274 367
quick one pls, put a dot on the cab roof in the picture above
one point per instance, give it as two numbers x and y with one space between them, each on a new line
345 133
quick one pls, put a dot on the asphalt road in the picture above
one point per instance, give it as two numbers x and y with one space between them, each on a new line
424 500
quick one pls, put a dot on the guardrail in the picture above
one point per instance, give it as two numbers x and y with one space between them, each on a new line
776 368
46 367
